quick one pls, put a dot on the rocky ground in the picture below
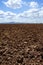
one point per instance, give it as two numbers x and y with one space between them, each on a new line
21 44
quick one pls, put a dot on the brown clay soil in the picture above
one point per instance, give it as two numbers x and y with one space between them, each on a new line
21 44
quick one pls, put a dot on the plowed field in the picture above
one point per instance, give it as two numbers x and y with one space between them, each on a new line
21 44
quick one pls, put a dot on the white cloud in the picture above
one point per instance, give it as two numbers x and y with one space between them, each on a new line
32 12
41 12
32 15
7 16
13 3
33 4
1 14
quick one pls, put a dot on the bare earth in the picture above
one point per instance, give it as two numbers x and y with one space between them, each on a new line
21 44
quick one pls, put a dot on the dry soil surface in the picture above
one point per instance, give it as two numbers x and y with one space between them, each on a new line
21 44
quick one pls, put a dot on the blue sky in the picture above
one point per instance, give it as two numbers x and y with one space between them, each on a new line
22 11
